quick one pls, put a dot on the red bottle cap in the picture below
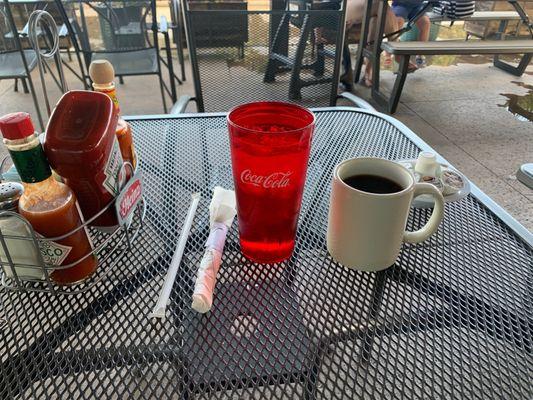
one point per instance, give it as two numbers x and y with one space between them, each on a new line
16 126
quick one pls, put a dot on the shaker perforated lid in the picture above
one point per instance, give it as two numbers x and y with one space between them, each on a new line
10 193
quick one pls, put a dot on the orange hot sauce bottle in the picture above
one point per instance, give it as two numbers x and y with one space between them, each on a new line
49 206
102 74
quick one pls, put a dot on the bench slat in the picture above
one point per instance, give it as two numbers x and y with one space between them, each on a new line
443 47
481 16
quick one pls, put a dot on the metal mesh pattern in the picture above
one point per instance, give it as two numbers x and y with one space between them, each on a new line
451 319
234 51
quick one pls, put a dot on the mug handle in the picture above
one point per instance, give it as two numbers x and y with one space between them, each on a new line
436 216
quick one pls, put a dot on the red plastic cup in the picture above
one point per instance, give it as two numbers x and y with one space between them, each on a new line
270 143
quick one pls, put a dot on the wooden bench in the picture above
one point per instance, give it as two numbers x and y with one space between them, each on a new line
454 47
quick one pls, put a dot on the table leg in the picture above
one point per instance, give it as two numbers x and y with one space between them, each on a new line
526 58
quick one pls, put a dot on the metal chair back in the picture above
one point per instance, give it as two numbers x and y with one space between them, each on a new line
125 32
6 33
240 54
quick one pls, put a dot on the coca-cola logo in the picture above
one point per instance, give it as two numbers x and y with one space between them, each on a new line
275 180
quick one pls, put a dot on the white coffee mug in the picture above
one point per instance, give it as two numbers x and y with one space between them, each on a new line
366 230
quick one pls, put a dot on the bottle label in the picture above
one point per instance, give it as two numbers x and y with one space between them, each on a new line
112 93
112 169
53 253
31 164
128 199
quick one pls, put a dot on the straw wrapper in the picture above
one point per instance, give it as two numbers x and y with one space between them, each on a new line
222 211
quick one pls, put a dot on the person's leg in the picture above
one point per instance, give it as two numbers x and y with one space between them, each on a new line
402 13
390 26
423 24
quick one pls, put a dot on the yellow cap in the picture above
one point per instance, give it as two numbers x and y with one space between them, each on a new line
101 71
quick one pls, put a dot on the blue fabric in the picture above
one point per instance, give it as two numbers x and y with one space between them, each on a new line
406 8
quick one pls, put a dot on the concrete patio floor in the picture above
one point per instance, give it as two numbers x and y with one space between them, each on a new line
458 109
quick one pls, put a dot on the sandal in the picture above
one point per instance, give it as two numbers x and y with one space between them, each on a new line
410 69
387 62
366 82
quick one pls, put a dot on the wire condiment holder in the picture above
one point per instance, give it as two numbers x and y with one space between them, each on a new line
109 247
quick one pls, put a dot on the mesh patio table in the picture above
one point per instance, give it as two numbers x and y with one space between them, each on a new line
451 319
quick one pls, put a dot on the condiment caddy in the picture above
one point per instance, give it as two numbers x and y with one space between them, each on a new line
109 247
63 232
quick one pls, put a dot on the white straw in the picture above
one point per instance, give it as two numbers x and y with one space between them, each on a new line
161 306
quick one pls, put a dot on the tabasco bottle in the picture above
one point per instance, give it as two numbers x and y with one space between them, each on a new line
103 75
48 205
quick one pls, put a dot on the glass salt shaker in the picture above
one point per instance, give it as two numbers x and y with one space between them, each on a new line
15 233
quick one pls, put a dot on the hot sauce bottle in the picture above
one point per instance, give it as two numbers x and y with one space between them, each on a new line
103 75
81 146
48 205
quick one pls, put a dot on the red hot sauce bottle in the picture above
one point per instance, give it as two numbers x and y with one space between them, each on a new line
82 147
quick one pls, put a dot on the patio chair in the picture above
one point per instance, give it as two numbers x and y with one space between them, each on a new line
16 62
23 11
44 38
319 29
229 63
123 32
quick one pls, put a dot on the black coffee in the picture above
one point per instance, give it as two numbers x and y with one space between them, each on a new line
372 184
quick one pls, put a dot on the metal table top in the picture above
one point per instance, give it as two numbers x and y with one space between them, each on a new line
451 319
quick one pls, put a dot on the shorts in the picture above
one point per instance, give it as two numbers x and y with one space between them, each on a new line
406 9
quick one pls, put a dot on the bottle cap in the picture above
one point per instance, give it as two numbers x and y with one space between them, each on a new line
10 193
16 126
101 72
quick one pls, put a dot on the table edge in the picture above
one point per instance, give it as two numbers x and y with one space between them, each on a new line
521 231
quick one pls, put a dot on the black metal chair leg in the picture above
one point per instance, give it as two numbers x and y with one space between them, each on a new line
162 87
376 47
170 67
179 46
16 87
273 64
295 86
391 103
121 80
320 63
362 42
25 86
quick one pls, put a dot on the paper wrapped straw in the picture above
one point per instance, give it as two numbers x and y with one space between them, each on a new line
161 306
222 211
